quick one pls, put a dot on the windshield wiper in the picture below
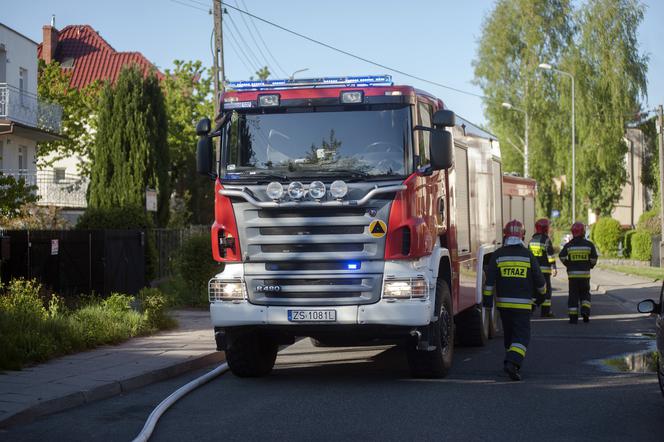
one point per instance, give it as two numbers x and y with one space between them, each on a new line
256 177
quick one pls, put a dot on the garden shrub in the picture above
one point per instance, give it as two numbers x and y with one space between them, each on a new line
627 243
606 233
30 332
649 222
193 268
641 245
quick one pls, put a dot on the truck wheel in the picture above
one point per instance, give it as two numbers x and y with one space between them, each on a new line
436 363
473 326
251 355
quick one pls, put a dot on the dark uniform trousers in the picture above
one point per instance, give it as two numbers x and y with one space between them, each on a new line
579 293
516 326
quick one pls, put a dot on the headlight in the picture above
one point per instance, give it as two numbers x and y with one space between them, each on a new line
317 190
410 288
352 97
274 190
296 190
226 290
338 189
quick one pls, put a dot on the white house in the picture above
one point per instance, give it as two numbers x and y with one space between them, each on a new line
25 119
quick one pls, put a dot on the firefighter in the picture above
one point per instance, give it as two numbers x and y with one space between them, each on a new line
579 256
515 275
541 246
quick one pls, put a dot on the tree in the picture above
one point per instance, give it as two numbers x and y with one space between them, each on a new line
516 37
263 73
130 152
78 115
188 98
14 195
611 76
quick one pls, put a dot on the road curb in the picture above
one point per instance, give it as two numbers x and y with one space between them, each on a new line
110 389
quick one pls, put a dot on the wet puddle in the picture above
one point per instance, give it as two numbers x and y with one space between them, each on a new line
643 362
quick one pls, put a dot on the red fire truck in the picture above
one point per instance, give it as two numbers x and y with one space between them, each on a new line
350 210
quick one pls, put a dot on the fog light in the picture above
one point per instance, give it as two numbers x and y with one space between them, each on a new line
226 290
274 190
352 97
317 190
411 288
338 189
296 190
268 100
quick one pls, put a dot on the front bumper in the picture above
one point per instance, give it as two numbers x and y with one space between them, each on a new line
388 312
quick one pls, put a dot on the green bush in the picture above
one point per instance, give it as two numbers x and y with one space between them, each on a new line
193 268
121 218
606 235
627 243
154 303
641 245
30 332
649 222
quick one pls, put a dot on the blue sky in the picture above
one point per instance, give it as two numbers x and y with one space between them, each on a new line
431 39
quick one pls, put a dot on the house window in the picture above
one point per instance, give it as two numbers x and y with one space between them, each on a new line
22 163
23 85
59 174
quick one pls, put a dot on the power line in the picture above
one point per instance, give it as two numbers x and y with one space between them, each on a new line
190 5
238 46
235 51
251 34
267 49
244 42
358 57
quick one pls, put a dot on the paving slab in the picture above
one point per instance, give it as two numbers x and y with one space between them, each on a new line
76 379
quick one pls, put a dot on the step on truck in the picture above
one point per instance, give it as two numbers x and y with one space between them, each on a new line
348 210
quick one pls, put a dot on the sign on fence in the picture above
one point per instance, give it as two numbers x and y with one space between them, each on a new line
151 200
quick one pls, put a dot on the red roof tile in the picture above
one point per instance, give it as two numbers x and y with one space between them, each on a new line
93 58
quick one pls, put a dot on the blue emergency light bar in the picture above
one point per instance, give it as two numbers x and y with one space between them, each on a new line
359 81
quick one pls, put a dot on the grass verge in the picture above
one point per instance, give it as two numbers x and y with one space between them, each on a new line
656 273
33 330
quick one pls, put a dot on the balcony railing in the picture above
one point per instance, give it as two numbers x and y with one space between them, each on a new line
24 107
55 189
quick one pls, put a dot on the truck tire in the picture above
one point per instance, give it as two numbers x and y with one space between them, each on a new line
251 355
473 326
494 324
436 363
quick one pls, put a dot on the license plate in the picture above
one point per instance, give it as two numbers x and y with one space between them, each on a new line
312 315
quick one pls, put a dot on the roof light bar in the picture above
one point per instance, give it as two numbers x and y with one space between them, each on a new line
356 81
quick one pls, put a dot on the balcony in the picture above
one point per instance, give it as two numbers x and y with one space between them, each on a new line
54 188
26 108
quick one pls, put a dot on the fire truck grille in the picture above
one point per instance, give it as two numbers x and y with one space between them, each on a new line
310 248
313 289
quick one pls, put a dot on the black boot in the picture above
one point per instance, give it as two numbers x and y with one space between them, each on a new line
512 371
546 312
586 317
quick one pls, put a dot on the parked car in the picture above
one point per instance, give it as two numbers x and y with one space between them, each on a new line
650 306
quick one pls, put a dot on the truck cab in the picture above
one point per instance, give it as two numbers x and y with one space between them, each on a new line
340 215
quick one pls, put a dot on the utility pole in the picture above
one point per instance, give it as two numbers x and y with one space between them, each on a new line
660 137
218 60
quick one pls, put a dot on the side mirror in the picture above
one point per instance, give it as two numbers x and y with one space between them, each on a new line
441 149
203 127
648 306
204 156
444 118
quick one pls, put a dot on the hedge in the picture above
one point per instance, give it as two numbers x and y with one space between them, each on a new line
627 243
606 235
641 246
649 222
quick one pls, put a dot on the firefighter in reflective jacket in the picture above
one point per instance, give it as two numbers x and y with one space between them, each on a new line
579 256
515 275
541 246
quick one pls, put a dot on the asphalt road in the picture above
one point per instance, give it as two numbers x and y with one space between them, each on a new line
366 394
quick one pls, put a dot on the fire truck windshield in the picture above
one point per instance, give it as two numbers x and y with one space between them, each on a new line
369 143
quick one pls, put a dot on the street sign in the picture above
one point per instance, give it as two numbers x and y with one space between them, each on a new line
151 200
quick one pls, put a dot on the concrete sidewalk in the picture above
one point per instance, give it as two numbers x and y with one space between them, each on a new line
79 378
603 280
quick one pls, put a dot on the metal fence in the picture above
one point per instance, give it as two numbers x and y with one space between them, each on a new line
168 242
24 107
55 188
